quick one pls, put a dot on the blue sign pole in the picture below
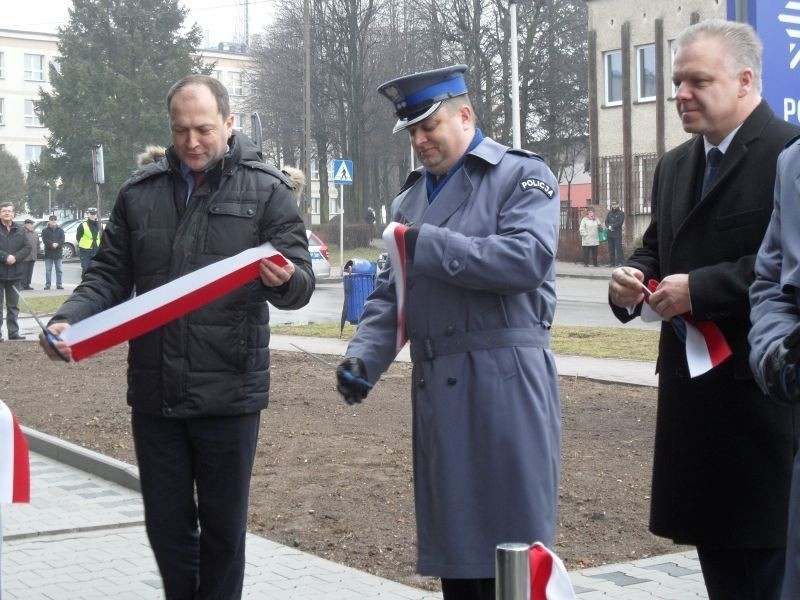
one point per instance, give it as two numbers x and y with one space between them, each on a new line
342 175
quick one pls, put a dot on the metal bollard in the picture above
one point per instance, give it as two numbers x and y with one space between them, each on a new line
513 572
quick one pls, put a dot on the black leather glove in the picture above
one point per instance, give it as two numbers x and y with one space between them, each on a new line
351 377
782 369
410 238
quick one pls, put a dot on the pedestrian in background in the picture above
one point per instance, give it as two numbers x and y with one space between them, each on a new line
53 242
88 236
723 453
32 239
589 230
197 385
614 220
479 304
14 247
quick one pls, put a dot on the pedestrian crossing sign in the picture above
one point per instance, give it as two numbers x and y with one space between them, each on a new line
342 172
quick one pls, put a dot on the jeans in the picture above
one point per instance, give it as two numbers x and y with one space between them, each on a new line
48 267
615 253
86 258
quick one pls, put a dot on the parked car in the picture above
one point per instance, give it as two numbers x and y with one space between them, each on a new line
319 256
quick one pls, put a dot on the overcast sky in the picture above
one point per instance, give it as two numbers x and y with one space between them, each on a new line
221 20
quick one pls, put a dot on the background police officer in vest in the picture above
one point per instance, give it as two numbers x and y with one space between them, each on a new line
480 300
88 237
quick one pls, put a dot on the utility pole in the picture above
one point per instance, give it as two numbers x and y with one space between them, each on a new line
515 126
307 101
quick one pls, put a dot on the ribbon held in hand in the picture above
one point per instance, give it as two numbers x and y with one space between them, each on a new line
394 238
705 343
161 305
15 470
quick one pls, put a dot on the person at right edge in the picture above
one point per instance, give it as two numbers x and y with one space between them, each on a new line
723 453
775 335
483 230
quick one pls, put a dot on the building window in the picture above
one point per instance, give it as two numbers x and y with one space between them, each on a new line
646 70
32 118
33 154
217 74
34 67
2 111
644 170
2 62
235 86
613 68
612 182
56 63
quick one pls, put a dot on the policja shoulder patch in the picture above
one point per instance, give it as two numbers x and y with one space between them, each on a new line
536 184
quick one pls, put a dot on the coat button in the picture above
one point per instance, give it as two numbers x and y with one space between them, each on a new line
452 381
242 342
167 411
450 330
454 264
250 211
421 384
215 209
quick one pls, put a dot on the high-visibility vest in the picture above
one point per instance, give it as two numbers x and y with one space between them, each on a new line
85 241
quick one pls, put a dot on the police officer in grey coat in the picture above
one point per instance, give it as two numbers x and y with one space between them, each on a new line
775 335
480 300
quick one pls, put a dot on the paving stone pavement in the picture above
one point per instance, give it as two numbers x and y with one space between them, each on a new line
83 538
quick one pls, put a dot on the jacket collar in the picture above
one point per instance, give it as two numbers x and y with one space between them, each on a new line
690 165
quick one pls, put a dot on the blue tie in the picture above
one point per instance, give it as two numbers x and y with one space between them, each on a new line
712 160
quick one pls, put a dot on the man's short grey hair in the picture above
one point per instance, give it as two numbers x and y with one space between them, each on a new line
7 204
745 47
218 90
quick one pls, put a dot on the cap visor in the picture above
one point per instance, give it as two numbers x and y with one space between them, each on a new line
406 123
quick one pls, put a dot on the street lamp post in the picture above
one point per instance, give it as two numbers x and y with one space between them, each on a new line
515 126
49 201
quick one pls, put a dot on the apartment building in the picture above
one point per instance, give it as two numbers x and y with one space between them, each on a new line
25 58
632 114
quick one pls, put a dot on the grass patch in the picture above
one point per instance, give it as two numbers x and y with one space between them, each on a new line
43 305
369 253
599 342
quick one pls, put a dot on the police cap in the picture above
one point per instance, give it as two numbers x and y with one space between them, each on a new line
416 97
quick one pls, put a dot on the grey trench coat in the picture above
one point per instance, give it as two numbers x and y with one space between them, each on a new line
486 413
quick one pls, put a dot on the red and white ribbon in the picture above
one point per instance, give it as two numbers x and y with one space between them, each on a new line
394 238
705 343
161 305
15 471
549 579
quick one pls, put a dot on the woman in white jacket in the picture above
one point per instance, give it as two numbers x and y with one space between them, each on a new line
590 237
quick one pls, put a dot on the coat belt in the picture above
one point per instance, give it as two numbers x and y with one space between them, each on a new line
468 341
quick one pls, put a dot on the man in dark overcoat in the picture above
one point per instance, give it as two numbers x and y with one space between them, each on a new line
723 453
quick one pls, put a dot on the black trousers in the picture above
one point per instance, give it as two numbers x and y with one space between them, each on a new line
198 545
468 589
742 573
28 274
589 250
